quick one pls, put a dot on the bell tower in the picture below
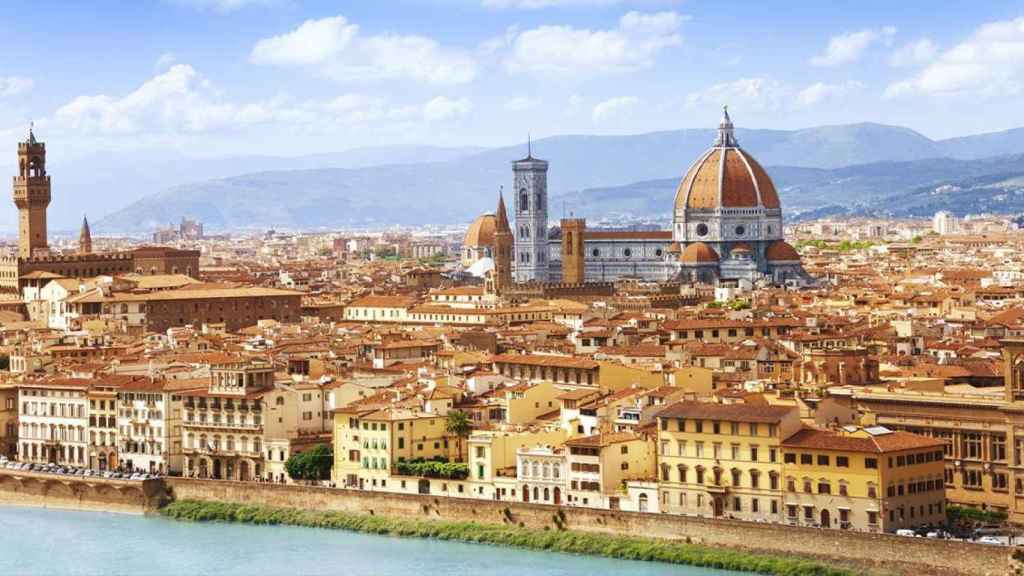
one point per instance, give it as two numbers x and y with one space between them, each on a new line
530 183
31 196
503 246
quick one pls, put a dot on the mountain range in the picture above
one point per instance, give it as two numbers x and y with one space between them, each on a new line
813 168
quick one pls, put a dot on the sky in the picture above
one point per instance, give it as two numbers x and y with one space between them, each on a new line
288 77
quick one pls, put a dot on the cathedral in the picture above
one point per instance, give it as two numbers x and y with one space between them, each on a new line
726 226
35 262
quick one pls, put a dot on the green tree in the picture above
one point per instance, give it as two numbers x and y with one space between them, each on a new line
458 424
313 464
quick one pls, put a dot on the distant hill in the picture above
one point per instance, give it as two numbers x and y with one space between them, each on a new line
99 184
813 167
915 188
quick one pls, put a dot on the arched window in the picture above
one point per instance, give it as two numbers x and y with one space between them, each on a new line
524 200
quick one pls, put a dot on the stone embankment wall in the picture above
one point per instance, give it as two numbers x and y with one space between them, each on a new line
75 493
882 552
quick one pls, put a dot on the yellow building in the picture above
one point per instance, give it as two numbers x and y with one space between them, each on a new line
599 465
369 443
525 402
869 479
723 459
8 420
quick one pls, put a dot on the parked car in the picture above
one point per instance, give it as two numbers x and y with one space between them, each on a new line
990 540
906 532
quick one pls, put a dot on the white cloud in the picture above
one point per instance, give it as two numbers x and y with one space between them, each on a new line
165 61
990 62
758 93
914 53
14 85
538 4
442 108
337 48
614 108
521 103
849 47
313 42
563 49
821 92
180 103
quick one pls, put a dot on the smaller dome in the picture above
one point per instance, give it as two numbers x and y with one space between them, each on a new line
742 247
674 248
699 253
781 251
481 231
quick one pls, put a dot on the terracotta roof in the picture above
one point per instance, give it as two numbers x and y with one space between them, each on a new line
699 253
726 177
876 444
481 231
542 360
727 412
599 440
781 251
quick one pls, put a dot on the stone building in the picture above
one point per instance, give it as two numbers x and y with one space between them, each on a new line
222 427
32 198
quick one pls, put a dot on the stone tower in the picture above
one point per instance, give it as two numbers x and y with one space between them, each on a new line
573 256
85 238
503 248
31 196
530 182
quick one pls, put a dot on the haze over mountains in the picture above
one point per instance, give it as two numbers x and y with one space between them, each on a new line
829 167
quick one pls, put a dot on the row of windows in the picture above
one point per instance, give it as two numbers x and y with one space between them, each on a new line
753 451
716 427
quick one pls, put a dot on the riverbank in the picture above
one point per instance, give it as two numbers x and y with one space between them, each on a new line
558 540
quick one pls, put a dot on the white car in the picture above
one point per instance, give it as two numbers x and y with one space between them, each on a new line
906 532
991 541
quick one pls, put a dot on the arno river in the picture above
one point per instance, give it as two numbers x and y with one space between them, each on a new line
38 541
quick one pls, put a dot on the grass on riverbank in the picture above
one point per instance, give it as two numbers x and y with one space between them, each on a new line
624 547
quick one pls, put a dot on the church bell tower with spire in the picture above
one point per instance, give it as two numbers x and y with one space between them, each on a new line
503 247
530 183
85 238
31 196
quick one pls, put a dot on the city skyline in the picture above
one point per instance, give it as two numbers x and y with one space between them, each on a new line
231 77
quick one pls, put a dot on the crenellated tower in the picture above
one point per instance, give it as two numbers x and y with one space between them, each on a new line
32 197
530 182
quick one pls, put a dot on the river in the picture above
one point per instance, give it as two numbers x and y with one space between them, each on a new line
45 541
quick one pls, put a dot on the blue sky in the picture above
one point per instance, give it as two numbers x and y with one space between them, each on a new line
284 77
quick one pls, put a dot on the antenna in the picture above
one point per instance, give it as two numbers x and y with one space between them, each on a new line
529 146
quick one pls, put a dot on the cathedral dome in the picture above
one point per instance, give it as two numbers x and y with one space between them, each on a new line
726 177
699 253
481 231
780 251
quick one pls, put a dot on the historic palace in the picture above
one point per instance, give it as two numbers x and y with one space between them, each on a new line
34 259
726 225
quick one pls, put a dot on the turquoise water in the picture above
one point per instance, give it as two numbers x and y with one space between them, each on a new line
37 541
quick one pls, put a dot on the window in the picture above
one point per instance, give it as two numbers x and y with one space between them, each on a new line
789 458
871 463
753 453
806 459
972 445
823 460
999 448
843 461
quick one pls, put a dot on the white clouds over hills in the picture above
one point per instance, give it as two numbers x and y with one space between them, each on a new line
340 51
